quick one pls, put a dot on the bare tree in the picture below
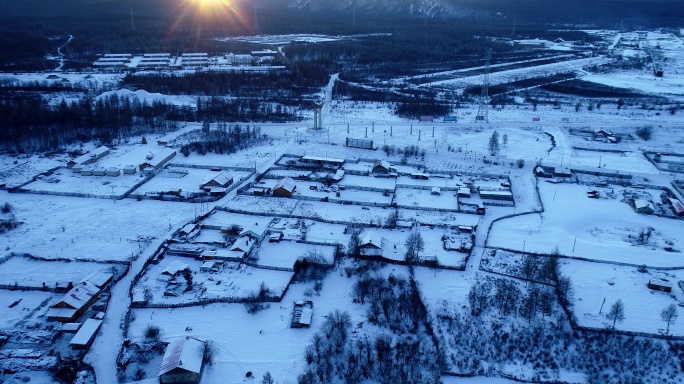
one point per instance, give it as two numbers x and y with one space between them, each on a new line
529 268
354 242
506 296
546 303
414 245
669 315
494 144
478 297
566 291
617 312
268 379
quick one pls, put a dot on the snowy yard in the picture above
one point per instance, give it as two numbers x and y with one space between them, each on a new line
594 283
599 229
227 283
424 198
258 343
27 310
284 254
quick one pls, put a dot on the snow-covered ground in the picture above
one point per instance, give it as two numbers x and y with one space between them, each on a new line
602 230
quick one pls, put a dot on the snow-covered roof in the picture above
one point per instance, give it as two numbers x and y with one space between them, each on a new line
370 238
99 279
95 153
175 267
255 231
188 228
222 179
79 295
161 157
186 353
640 203
86 332
287 184
321 159
242 244
382 163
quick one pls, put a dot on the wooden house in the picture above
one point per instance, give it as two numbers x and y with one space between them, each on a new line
302 313
382 167
183 361
285 187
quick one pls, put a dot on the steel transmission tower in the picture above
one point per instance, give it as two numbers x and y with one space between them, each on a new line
484 97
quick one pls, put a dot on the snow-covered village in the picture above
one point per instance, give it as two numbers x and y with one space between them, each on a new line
219 216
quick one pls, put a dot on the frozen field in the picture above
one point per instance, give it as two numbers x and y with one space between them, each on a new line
598 229
35 273
82 228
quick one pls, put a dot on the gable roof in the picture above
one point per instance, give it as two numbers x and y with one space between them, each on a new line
255 231
370 238
175 267
242 244
382 163
186 353
287 183
79 295
222 179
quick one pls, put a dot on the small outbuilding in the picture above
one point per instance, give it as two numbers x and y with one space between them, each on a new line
660 285
86 334
643 206
209 266
382 167
436 191
74 303
302 313
285 187
183 361
130 170
112 171
464 192
677 207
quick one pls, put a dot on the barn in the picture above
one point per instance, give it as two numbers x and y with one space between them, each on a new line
86 334
89 157
285 187
660 285
183 361
643 206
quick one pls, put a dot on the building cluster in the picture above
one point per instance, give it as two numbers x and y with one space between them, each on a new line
193 60
86 165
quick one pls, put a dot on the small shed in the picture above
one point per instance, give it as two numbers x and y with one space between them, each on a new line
209 266
130 170
99 171
86 171
71 327
86 334
436 191
562 172
370 244
677 207
643 206
660 285
496 195
302 313
74 303
464 192
183 361
285 187
112 171
420 176
382 166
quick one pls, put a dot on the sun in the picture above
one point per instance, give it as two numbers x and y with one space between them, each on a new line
213 5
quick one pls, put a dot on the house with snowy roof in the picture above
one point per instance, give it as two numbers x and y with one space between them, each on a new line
183 361
370 244
74 303
285 187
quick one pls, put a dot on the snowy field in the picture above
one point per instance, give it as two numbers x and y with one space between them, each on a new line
66 181
47 273
15 171
598 229
595 282
27 310
82 228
